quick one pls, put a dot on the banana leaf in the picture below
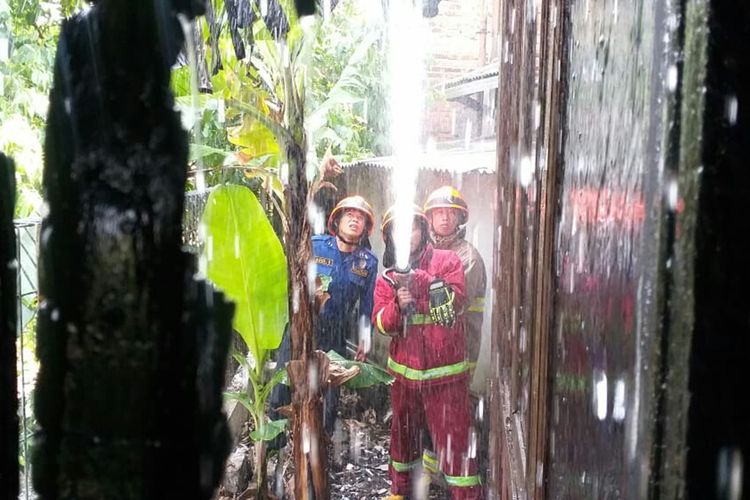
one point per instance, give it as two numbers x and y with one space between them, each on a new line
271 429
245 259
369 374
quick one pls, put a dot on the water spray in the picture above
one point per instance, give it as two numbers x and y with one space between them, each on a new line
406 35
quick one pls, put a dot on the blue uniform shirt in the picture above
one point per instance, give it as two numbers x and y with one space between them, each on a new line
350 279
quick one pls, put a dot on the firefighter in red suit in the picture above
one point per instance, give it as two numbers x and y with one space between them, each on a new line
417 307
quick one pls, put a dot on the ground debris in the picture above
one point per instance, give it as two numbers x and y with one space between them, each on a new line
358 456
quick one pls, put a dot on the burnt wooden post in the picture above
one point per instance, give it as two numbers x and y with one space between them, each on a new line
132 347
8 318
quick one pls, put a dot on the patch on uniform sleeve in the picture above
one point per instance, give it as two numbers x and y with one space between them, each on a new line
324 261
360 268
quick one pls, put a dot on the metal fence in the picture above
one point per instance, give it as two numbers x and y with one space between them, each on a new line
27 238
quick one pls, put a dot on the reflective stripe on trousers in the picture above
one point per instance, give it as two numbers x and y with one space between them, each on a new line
430 373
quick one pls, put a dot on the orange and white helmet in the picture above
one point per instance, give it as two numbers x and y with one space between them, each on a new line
448 197
357 203
389 215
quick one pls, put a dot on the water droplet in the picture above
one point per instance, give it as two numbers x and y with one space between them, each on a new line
54 315
202 266
730 109
672 78
618 408
600 394
673 22
305 439
312 377
467 133
539 473
365 334
44 209
672 194
729 472
46 235
312 272
71 328
316 217
526 171
13 264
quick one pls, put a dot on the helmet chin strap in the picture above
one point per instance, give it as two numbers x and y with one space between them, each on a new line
338 235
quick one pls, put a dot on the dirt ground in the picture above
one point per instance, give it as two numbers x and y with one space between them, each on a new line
357 454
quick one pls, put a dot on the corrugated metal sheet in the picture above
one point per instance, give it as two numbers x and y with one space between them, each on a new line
454 162
489 71
478 80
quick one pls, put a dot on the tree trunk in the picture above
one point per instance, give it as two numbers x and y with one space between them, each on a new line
310 458
307 402
132 348
8 318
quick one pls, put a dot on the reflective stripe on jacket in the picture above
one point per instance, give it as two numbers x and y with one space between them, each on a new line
429 353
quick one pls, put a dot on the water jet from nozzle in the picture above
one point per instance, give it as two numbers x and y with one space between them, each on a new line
406 36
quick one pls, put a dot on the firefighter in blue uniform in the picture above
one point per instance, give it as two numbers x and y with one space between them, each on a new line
346 272
345 276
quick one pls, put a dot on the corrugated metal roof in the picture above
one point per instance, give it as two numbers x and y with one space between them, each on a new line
491 70
454 162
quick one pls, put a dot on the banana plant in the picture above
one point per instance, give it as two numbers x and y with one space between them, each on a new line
243 256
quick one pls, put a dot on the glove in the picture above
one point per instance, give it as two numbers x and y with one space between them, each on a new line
442 311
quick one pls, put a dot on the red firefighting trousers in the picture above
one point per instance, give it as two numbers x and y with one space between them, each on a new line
444 408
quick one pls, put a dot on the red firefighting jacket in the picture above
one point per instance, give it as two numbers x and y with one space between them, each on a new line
428 354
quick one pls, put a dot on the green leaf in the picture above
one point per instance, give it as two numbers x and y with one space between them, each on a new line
243 398
241 359
349 79
270 430
369 374
198 151
280 377
254 137
245 259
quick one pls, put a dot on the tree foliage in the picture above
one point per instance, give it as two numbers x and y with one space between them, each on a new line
31 27
343 99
